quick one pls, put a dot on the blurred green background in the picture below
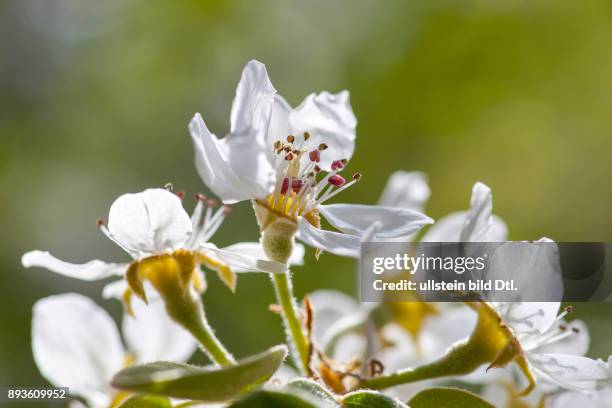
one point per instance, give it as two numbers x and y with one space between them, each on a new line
96 97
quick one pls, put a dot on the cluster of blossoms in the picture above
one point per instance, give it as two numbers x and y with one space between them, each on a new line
289 162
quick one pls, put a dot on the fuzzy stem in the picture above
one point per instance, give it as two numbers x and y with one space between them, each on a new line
189 313
295 332
463 358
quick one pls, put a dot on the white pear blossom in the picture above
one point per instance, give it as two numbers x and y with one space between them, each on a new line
152 227
76 344
406 189
544 346
288 161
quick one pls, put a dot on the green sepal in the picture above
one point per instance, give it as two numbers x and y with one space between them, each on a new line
370 399
272 399
146 401
445 397
208 384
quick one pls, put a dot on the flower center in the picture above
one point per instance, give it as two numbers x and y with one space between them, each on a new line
301 184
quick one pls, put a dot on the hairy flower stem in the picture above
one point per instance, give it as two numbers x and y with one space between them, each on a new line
461 359
190 314
295 333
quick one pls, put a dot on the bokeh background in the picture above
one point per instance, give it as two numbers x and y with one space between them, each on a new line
95 97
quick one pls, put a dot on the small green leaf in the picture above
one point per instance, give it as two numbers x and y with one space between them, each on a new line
208 384
271 399
370 399
146 401
444 397
311 391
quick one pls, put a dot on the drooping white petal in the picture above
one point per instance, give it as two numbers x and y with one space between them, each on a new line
393 222
244 262
150 222
152 336
255 251
253 102
329 119
76 344
92 270
115 290
329 241
572 372
215 168
406 189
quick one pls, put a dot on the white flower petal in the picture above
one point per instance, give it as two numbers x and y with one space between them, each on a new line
572 372
329 119
243 262
152 336
92 270
76 344
150 222
115 290
393 222
330 306
446 229
214 166
329 241
525 261
406 189
478 225
255 250
528 318
577 343
279 127
599 399
252 105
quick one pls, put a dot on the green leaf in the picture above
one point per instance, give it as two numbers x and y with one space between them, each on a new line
311 391
208 384
370 399
272 399
444 397
146 401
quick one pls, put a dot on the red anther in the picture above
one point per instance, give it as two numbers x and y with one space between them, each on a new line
317 169
357 176
315 156
575 330
322 146
562 327
211 202
569 309
296 184
180 194
100 222
289 156
306 135
227 209
337 165
200 197
291 138
278 144
336 180
287 149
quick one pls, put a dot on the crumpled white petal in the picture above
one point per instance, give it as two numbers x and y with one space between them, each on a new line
215 168
329 119
393 222
76 344
577 343
150 222
92 270
599 399
330 306
152 336
255 250
335 242
243 262
406 189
